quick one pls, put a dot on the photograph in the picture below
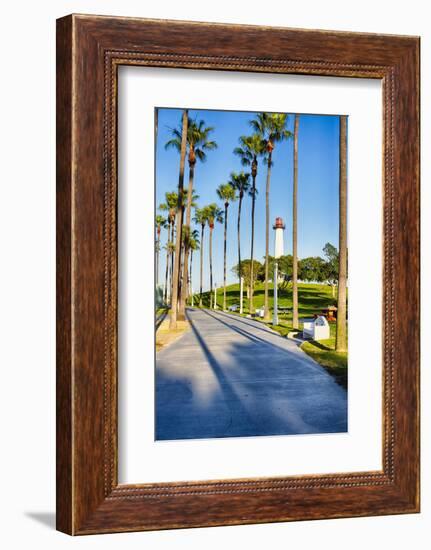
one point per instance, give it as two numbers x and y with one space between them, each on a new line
212 220
251 278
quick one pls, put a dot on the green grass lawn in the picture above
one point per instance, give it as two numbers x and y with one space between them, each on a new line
312 299
324 353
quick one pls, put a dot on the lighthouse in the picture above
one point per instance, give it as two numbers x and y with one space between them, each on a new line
278 227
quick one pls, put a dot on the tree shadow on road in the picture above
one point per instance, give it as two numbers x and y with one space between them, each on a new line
255 390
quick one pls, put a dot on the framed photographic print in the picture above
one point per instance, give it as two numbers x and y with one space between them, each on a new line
237 274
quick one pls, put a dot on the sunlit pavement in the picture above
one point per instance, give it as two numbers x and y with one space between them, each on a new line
230 376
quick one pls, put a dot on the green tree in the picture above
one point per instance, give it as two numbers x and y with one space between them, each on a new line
332 265
214 214
198 144
272 128
313 268
250 272
227 194
285 266
249 150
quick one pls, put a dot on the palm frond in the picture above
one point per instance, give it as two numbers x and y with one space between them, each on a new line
209 145
200 155
173 143
214 213
226 192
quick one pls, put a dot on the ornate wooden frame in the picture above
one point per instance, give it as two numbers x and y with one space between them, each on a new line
89 51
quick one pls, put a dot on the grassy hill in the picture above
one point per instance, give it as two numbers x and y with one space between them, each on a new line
312 298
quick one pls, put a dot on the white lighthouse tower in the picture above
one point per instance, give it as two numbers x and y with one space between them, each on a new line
278 227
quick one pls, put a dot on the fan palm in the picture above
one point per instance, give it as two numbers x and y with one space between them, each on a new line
179 216
227 194
241 183
272 128
214 214
198 144
250 149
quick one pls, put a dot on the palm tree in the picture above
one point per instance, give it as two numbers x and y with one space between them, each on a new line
194 245
170 206
271 127
198 143
195 197
179 215
165 293
161 222
295 320
201 217
227 194
185 246
341 340
214 214
251 147
241 183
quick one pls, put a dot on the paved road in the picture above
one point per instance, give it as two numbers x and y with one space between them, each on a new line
231 376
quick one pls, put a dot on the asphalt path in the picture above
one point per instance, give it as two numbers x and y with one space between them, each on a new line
231 376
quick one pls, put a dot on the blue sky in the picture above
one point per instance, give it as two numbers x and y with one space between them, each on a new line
317 186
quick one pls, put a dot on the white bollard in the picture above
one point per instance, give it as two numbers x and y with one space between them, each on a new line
241 291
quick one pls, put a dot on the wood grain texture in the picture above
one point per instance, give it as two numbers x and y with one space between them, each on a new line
64 495
90 49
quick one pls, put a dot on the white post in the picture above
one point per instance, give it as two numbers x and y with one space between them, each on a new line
275 309
241 291
215 296
278 252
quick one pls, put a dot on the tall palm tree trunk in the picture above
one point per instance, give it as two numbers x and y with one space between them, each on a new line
202 264
268 182
253 204
157 257
341 343
184 290
191 274
171 261
211 267
295 321
226 204
239 240
180 275
167 266
177 265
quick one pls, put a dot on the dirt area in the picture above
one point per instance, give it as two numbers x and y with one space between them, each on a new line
164 336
